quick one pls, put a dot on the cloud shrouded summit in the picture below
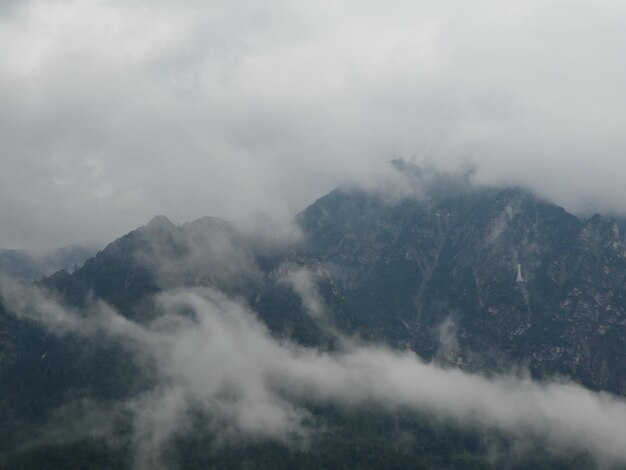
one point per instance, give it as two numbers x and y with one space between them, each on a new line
116 111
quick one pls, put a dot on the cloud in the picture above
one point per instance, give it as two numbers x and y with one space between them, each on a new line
116 111
212 355
302 281
205 251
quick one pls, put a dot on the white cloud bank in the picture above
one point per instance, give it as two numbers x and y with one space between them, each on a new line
223 361
115 111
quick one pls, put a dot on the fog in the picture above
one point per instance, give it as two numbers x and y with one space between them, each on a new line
212 355
113 112
116 111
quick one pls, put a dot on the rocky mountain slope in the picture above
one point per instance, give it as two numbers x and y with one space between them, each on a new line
437 274
435 271
440 276
25 267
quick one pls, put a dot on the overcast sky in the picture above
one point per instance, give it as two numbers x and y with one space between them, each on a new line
114 111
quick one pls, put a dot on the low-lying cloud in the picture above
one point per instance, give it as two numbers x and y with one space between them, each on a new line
212 354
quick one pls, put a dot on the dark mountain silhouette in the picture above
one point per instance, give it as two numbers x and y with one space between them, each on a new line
434 271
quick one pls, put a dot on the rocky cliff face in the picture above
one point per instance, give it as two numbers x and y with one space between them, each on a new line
438 275
434 271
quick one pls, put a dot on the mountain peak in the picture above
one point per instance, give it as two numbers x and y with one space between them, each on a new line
207 221
160 221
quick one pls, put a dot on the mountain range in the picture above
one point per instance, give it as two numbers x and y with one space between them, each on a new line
24 266
434 272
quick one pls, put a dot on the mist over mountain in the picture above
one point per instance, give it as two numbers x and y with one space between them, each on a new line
396 320
303 303
24 266
453 267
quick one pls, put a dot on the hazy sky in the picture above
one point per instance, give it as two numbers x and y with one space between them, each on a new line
114 111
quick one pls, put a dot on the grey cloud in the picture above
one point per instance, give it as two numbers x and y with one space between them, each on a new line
303 282
116 111
205 251
223 361
448 342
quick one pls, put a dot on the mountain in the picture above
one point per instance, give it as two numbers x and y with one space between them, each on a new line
208 252
434 271
415 271
24 266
